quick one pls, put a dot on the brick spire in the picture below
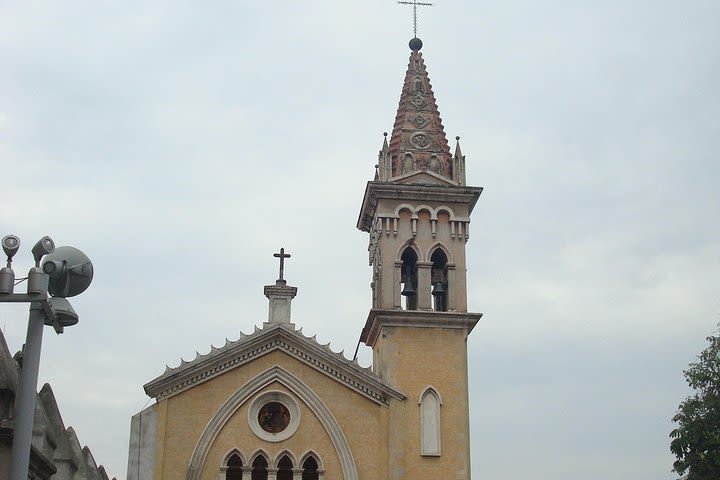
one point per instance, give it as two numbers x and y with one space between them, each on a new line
418 141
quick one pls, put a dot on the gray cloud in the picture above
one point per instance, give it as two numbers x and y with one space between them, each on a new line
180 146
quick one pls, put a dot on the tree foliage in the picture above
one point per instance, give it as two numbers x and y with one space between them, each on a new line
696 440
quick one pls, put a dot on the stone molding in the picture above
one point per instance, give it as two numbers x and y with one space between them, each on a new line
374 191
378 318
274 396
272 337
246 392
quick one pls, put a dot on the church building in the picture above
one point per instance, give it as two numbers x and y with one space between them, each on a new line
278 405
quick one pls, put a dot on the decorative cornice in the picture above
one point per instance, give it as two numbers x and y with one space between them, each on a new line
374 191
377 319
270 338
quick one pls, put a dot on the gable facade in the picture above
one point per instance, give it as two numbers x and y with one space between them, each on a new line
276 405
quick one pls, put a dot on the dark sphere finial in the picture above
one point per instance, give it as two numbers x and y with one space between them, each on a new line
384 134
415 44
457 138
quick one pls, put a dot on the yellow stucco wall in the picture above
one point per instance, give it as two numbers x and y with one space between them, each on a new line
412 359
183 418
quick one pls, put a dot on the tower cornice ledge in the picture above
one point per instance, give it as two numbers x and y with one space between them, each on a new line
374 191
377 319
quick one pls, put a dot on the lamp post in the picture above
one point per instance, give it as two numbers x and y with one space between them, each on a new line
66 272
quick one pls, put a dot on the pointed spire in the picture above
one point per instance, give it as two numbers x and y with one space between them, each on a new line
458 152
418 141
382 169
458 164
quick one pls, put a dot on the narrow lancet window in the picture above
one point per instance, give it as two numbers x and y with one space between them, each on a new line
439 280
234 468
285 467
310 469
408 278
430 423
259 471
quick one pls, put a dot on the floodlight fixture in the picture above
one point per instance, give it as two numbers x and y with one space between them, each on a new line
65 314
70 272
66 272
10 245
43 247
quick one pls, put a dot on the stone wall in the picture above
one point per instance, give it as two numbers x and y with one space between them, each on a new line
56 452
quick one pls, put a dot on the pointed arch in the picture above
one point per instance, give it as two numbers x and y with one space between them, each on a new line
246 392
314 455
441 246
232 452
405 246
260 467
284 467
285 453
430 426
259 453
312 468
232 465
427 390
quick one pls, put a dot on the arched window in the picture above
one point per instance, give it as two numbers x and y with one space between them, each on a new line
430 423
259 471
310 469
285 467
439 280
408 278
234 468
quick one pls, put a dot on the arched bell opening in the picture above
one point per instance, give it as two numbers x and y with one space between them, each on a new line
439 280
408 279
234 467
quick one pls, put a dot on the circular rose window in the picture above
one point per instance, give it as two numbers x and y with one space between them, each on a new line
274 417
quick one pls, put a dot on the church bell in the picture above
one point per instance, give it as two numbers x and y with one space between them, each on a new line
438 289
408 289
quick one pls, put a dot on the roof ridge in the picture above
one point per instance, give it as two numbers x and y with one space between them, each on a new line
176 379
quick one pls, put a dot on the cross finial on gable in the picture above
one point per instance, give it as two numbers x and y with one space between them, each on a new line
282 256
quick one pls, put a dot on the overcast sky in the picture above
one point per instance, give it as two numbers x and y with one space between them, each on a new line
180 144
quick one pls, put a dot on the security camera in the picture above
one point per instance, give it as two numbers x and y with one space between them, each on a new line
10 244
43 247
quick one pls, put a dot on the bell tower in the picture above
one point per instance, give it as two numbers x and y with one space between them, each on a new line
417 214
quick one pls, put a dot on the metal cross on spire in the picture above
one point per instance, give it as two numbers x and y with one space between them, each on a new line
282 256
415 4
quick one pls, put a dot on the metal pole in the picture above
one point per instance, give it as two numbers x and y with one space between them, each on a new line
27 394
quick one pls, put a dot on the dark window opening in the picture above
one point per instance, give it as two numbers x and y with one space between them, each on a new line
285 469
259 471
408 279
234 470
310 469
439 280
